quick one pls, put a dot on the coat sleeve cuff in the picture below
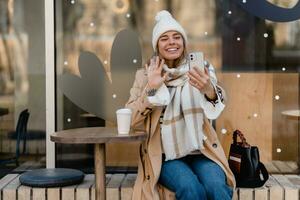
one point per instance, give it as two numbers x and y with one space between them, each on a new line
213 108
161 97
146 106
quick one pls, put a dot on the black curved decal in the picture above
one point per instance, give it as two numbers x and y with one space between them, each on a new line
266 10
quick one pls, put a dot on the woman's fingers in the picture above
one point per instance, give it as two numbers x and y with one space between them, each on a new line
196 85
156 62
198 73
151 61
194 73
162 62
192 83
202 74
198 79
197 82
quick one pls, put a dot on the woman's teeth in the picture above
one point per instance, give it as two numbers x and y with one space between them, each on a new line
173 49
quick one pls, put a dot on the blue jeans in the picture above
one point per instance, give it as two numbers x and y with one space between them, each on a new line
195 177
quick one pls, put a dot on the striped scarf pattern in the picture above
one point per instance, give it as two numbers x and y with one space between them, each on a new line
181 128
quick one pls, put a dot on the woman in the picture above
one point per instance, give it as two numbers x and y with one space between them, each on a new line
172 101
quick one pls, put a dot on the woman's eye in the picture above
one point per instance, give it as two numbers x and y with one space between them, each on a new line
177 37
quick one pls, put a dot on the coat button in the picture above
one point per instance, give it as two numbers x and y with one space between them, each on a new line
148 177
214 145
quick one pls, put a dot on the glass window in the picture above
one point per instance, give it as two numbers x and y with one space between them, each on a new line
256 60
22 82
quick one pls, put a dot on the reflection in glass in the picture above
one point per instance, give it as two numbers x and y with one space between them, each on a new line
257 61
22 79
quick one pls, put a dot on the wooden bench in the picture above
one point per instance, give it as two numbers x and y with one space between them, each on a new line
119 186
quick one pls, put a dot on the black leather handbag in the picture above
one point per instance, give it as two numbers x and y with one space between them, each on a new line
244 162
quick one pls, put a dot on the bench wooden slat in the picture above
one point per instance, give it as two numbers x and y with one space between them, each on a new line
38 194
83 189
15 183
68 193
282 166
261 193
53 193
291 192
271 182
107 179
272 168
276 190
127 186
6 180
128 181
294 179
235 194
10 190
24 192
283 181
93 194
112 192
120 186
293 166
246 194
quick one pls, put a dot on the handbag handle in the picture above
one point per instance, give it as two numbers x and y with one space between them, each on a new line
243 142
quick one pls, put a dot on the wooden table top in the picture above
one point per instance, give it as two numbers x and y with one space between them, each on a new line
95 135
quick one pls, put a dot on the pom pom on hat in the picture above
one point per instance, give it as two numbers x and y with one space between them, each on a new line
165 22
160 15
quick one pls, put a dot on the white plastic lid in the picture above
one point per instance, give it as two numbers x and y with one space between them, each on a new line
124 111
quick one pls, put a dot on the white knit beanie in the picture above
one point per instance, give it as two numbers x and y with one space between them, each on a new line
165 22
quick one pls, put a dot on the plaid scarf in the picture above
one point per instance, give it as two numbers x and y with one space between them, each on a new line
181 128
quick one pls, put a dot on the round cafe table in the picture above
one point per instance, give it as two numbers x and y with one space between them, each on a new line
98 136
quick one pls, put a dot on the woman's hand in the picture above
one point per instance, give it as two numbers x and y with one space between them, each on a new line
201 81
155 78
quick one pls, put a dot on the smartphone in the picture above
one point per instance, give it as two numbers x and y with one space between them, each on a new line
196 60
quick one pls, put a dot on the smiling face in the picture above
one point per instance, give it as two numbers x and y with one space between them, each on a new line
170 46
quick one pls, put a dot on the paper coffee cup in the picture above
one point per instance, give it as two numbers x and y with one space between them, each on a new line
123 120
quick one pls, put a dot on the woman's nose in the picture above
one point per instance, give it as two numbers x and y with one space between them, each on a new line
171 41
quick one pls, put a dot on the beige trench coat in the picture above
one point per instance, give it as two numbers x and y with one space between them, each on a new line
146 117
